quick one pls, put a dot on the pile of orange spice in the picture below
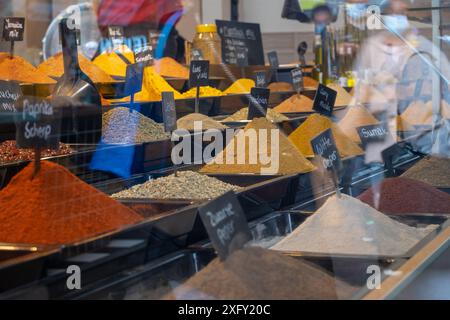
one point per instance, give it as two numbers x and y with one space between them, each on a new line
18 69
54 67
55 207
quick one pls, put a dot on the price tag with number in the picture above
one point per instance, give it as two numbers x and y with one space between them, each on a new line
225 224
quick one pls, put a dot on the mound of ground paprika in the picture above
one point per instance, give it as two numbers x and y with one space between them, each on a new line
55 207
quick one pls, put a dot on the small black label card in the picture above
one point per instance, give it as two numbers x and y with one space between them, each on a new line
297 79
259 102
261 79
13 28
324 100
199 73
372 133
226 224
169 112
9 94
242 57
116 32
133 78
324 147
38 123
273 59
144 55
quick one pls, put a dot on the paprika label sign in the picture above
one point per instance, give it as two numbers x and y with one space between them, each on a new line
169 111
13 28
324 100
225 224
297 79
133 78
261 79
199 73
9 94
259 101
324 147
372 133
38 123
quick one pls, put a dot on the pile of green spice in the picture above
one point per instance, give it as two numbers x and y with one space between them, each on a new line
126 126
186 185
260 274
433 170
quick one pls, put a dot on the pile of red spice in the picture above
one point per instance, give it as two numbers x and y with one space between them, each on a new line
10 153
403 196
55 207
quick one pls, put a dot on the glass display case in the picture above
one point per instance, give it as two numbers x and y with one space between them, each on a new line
250 150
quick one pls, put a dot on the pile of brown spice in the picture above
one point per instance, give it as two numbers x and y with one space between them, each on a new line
10 153
188 122
356 116
18 69
55 207
296 103
280 87
242 115
313 126
343 98
54 67
310 83
255 273
290 160
403 195
168 67
433 170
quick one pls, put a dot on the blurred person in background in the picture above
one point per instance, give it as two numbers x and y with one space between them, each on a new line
140 17
398 63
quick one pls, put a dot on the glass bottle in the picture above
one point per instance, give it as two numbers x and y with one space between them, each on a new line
208 41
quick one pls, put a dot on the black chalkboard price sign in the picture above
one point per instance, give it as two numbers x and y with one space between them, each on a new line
9 94
169 112
261 79
199 73
324 147
297 80
372 133
144 55
273 59
133 80
116 34
225 224
241 57
241 35
198 77
324 100
13 30
38 123
259 102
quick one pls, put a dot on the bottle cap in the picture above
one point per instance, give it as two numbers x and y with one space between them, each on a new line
201 28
